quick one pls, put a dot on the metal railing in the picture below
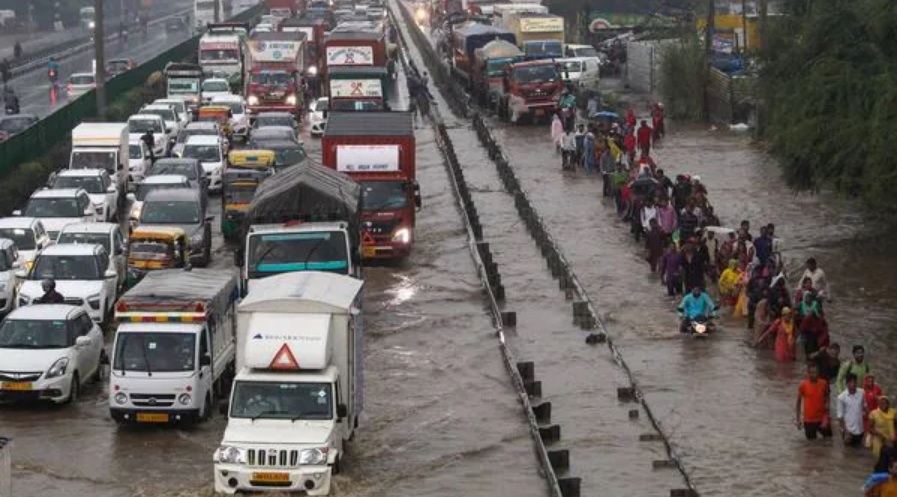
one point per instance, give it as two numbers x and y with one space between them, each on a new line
5 467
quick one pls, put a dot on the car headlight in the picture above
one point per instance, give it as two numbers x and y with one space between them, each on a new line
291 100
313 71
23 301
92 24
28 265
196 239
229 455
314 456
94 301
184 399
2 287
700 328
121 398
253 100
58 368
135 212
402 236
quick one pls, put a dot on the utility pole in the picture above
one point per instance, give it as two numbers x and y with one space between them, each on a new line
708 49
99 39
761 24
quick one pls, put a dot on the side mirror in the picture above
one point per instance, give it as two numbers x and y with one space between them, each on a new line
82 341
121 167
341 411
88 212
223 408
205 360
238 257
112 188
21 274
17 212
209 219
110 274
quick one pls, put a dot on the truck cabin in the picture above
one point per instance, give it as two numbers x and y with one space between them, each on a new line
171 346
532 77
273 251
94 159
272 86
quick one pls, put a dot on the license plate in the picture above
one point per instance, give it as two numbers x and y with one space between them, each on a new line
18 386
271 477
152 417
540 112
369 251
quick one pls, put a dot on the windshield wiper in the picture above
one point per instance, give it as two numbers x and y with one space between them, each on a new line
264 255
149 370
312 251
265 413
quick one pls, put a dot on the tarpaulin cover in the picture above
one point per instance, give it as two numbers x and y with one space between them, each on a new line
476 35
500 49
178 290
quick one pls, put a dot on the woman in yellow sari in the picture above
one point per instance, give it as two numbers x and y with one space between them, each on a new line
728 283
881 426
741 303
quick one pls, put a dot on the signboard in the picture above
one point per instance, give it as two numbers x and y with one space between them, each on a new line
367 158
609 20
356 88
217 45
541 24
275 51
350 56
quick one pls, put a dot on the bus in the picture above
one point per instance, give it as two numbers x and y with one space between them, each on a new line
204 12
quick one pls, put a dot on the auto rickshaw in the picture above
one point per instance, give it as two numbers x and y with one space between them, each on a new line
245 172
220 114
155 248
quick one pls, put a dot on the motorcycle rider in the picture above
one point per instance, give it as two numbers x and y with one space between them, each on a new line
150 142
50 296
52 70
567 104
10 101
696 306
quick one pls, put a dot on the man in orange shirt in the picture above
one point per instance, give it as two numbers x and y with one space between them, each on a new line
813 395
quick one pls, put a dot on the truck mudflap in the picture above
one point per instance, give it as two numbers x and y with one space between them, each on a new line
154 416
312 480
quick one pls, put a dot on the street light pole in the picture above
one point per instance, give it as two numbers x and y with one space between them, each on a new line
99 38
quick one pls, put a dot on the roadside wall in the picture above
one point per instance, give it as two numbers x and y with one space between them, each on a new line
642 72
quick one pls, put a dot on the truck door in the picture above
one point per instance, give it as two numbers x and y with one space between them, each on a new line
206 378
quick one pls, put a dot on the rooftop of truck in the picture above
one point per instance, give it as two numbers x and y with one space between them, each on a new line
373 124
161 327
532 63
355 35
278 36
317 225
327 375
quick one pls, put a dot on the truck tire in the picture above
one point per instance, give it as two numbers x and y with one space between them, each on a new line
336 469
207 411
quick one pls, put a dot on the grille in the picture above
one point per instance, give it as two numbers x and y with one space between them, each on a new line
381 228
74 301
152 400
19 376
271 458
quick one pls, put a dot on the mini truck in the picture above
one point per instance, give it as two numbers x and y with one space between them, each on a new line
184 83
174 347
379 153
488 73
298 393
103 146
275 63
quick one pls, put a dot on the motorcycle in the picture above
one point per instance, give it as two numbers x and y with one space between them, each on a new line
568 117
700 326
12 108
53 77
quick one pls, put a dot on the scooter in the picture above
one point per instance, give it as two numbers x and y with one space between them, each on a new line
701 326
12 108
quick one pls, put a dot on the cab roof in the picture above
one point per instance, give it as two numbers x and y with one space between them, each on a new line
80 173
58 193
173 194
230 98
373 124
18 222
70 249
165 179
202 125
204 140
45 312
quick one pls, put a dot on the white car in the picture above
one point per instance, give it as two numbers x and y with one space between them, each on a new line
48 352
193 129
210 152
583 72
98 185
107 235
80 83
10 263
139 160
179 106
28 234
317 116
57 208
150 183
214 87
168 115
82 274
139 124
239 120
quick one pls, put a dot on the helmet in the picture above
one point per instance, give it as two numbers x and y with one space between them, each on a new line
48 285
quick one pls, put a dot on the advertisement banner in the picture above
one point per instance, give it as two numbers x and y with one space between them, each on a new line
275 51
356 88
367 158
541 24
350 56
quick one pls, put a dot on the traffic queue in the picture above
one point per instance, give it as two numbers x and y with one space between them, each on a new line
119 242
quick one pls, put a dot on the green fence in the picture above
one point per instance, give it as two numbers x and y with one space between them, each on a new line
40 138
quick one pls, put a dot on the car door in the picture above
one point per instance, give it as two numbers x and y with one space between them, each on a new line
79 328
119 260
111 196
110 285
93 351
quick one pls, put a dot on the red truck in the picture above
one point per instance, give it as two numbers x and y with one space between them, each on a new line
378 152
350 46
282 8
314 30
530 89
274 66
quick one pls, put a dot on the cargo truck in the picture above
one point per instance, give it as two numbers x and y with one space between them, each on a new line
467 39
379 153
184 83
103 146
314 30
489 68
531 90
298 393
274 64
221 56
540 36
365 48
305 219
175 346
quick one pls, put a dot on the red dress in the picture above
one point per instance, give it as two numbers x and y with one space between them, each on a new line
784 346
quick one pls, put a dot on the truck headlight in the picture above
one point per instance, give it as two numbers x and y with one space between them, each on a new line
184 399
91 24
58 368
229 455
402 236
121 398
94 301
291 100
252 100
313 71
314 456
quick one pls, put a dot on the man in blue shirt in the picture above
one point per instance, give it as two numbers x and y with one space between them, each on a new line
763 245
697 304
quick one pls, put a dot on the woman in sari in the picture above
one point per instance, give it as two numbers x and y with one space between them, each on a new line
761 321
741 303
728 283
881 426
785 334
557 131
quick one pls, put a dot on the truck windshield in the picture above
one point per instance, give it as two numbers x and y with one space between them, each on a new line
22 237
218 55
221 86
93 160
271 78
539 48
135 152
383 195
268 400
34 334
496 67
155 352
536 74
183 86
308 251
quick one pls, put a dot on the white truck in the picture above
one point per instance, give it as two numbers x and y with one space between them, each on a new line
174 349
221 56
183 83
298 392
103 146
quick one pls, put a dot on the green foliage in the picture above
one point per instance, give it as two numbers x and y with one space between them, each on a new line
683 70
829 84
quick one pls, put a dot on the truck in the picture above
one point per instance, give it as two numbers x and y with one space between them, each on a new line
487 76
306 220
184 83
175 346
298 392
467 39
282 8
379 153
274 66
504 11
314 30
221 56
530 89
103 146
540 36
358 48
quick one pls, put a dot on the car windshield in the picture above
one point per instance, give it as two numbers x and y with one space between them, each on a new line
135 152
546 73
34 334
215 86
174 212
269 133
14 125
283 252
143 189
383 195
275 400
155 352
271 78
82 80
182 137
572 66
263 121
143 125
235 107
322 105
185 169
182 86
165 114
289 156
216 55
22 237
93 184
93 160
85 239
204 153
53 207
118 65
65 267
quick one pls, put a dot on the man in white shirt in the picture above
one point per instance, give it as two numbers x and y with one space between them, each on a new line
649 212
568 149
851 409
817 276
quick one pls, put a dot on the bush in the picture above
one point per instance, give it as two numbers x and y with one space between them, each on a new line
683 70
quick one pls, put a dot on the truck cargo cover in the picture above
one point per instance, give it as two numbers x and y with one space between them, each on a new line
303 292
170 289
373 124
476 35
306 192
500 49
289 342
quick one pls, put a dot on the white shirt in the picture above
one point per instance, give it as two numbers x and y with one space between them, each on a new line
568 142
819 282
851 409
648 213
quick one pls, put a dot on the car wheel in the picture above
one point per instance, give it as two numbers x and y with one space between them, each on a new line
74 389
